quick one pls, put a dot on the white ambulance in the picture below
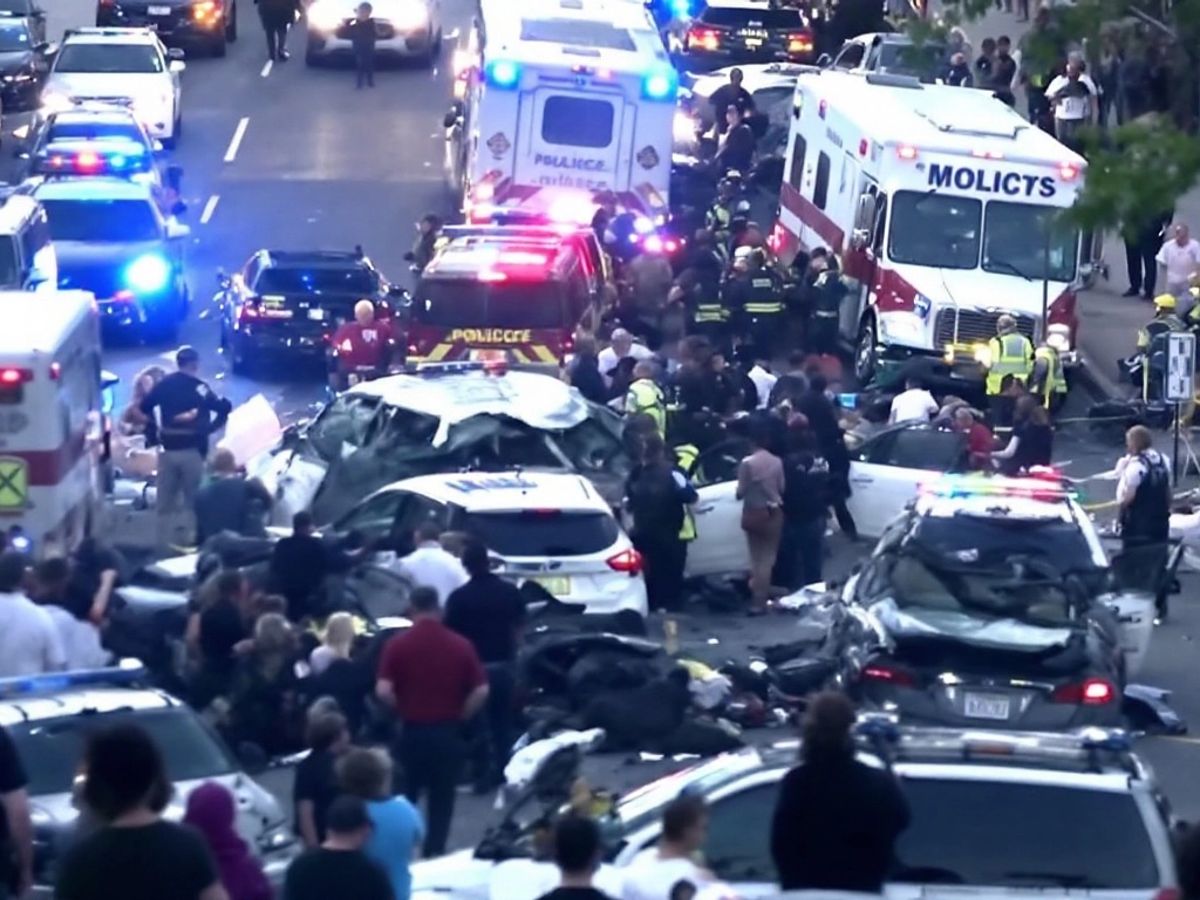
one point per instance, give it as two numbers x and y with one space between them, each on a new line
556 102
943 207
51 418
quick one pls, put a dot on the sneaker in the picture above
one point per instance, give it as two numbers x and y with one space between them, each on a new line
1132 292
284 56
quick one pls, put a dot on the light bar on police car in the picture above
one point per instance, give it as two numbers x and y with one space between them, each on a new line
1045 485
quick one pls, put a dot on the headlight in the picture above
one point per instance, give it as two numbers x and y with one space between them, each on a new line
982 354
148 274
901 329
324 16
408 16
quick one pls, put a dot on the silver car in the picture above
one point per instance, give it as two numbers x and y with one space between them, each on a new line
407 29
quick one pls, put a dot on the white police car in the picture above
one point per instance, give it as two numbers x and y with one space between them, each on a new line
994 815
111 239
49 718
554 530
126 66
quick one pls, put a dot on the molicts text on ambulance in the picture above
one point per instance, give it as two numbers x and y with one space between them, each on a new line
983 181
491 335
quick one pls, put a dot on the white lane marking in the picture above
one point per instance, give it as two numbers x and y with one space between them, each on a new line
266 69
209 208
236 142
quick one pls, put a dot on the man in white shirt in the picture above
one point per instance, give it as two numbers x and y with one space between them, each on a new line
915 404
1177 260
621 345
764 380
430 564
653 873
29 642
1075 99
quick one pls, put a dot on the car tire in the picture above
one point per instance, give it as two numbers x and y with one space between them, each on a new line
866 350
311 57
219 47
231 25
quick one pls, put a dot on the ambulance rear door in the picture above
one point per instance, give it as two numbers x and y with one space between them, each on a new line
573 136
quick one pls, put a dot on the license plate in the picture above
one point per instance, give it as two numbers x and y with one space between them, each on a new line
158 10
753 43
317 315
555 587
986 706
488 356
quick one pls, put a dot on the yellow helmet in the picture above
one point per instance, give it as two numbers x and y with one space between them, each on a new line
1164 301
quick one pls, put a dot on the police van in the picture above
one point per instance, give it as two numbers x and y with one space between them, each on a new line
51 418
943 206
556 101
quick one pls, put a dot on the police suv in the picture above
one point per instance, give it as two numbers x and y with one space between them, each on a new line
111 239
1066 816
552 531
92 139
49 718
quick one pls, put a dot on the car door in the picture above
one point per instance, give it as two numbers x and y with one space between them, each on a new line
888 471
720 546
850 56
377 517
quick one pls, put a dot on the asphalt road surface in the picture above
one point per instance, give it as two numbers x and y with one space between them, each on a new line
289 157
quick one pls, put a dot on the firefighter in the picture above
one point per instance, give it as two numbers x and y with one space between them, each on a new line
1152 341
754 295
1048 383
828 292
1009 353
645 397
710 317
720 213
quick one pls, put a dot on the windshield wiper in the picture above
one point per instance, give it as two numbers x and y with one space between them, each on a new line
1061 879
1005 264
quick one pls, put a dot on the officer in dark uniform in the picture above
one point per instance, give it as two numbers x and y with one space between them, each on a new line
754 295
1144 503
718 216
828 292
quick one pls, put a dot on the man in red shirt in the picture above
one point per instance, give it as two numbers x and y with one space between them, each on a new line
980 442
433 679
362 348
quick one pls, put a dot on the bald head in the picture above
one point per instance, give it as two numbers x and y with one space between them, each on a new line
364 312
622 342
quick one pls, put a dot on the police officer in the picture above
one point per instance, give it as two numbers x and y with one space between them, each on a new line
754 295
828 292
1048 382
1152 340
362 349
645 397
429 241
1144 503
1009 353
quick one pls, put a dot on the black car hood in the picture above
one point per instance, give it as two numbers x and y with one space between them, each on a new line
14 60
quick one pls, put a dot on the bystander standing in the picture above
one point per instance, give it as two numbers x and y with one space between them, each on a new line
29 641
339 867
396 826
431 564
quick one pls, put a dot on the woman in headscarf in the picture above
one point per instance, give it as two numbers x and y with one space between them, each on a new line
211 810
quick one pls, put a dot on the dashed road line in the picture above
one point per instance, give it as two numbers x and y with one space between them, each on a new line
209 208
236 142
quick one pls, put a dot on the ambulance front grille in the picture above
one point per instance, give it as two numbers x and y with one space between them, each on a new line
974 327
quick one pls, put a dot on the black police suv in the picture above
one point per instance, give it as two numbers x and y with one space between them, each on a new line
23 64
744 31
287 304
204 24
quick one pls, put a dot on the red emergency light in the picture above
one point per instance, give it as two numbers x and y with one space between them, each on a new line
906 151
1068 171
703 39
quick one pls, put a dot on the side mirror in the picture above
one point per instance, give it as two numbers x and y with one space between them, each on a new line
824 60
860 238
175 54
42 47
177 231
176 66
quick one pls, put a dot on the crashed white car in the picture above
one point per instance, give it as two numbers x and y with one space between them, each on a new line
440 418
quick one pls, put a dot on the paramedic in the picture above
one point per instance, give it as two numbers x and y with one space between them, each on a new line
1009 353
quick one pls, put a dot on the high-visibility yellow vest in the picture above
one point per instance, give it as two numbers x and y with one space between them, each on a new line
685 458
763 305
645 396
710 311
1012 354
1056 381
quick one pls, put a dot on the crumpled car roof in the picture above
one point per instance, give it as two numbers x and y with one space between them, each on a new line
541 401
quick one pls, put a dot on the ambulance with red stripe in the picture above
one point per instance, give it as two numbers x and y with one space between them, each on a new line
943 207
557 101
51 419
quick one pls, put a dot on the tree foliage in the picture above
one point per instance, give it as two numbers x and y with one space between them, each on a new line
1138 171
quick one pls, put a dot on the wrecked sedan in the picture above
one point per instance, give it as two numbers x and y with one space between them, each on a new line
997 611
436 419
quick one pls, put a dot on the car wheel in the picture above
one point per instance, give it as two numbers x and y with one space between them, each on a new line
219 47
231 25
311 57
865 352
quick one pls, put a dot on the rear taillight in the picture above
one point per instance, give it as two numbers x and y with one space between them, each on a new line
627 561
703 38
1089 692
800 42
1169 893
888 674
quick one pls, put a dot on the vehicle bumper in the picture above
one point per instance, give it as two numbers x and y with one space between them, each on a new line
916 707
696 60
251 341
606 596
121 314
177 31
401 44
895 362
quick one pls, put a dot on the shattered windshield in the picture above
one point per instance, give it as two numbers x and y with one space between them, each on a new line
343 423
989 540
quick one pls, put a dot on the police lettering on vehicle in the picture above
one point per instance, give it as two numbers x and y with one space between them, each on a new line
492 335
983 181
568 162
491 483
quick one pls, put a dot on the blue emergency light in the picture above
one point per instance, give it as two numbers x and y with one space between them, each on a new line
126 672
660 84
504 73
148 274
